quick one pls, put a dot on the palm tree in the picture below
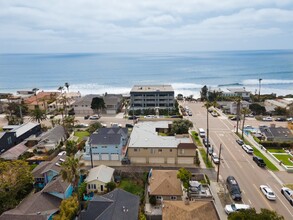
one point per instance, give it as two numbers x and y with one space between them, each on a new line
238 102
244 111
207 105
60 89
67 86
38 115
71 169
65 102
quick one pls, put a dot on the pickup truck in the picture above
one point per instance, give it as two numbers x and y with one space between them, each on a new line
288 193
259 161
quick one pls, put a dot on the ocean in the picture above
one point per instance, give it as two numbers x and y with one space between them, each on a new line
118 72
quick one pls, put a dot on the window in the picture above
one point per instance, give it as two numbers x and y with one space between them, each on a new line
89 186
173 197
9 140
104 146
160 151
170 150
135 150
94 186
181 151
159 197
153 151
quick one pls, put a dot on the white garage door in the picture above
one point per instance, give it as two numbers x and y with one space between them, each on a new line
138 160
96 157
156 160
105 156
171 160
114 157
185 160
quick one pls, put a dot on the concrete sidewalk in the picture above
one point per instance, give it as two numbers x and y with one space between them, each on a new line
215 188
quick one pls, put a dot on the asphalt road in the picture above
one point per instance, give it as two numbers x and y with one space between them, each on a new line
239 164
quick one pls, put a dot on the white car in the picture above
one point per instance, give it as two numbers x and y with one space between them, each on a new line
235 207
94 117
248 149
215 158
268 192
288 193
267 119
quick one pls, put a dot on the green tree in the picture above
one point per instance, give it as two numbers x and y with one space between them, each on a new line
181 126
280 111
152 200
98 104
71 169
251 214
71 148
38 115
67 86
69 122
197 161
110 186
257 109
16 181
68 209
93 127
184 175
204 93
245 112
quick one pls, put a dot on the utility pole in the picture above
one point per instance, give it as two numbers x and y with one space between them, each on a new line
208 143
91 153
259 85
219 163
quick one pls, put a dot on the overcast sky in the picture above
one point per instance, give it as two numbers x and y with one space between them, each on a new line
144 25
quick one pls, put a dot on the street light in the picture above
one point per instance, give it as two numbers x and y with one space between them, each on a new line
259 83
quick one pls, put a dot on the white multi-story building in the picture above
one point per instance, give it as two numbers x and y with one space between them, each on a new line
152 96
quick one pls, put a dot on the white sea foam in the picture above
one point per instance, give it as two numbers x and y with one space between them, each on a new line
266 81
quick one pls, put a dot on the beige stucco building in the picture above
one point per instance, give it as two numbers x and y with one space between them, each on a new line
146 146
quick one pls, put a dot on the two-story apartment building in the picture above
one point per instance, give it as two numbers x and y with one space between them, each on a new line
106 144
152 96
146 146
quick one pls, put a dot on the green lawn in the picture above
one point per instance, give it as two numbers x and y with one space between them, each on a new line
256 152
81 134
276 150
269 164
196 138
203 155
284 159
132 187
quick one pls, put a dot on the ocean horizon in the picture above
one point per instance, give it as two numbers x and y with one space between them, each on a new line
98 73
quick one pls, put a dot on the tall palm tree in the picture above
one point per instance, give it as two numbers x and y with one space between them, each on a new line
67 86
71 169
238 103
38 115
244 111
207 105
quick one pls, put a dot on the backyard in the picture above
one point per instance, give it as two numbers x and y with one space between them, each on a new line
81 135
132 186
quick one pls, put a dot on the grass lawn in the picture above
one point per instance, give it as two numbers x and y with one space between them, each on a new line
132 187
269 164
81 134
276 150
284 159
289 186
196 138
203 155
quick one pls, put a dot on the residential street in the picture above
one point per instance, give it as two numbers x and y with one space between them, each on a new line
236 162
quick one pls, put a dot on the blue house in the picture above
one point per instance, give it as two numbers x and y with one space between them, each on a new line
106 144
43 204
47 170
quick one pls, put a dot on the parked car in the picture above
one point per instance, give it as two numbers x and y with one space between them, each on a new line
240 142
205 143
94 117
233 188
125 161
128 125
215 158
86 117
234 118
268 192
248 149
210 150
235 207
149 116
267 118
280 119
259 161
133 117
214 114
288 193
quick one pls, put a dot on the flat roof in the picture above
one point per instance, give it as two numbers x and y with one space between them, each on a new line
144 135
152 88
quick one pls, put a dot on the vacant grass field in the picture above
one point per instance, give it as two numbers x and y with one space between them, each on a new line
284 159
203 153
276 150
132 187
81 134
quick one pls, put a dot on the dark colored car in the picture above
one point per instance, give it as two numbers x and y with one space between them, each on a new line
86 117
240 142
234 118
128 125
205 143
132 117
280 119
259 161
233 188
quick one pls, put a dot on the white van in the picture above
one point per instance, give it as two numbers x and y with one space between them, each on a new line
247 148
202 133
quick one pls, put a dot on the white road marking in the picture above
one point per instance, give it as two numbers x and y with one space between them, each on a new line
276 178
250 202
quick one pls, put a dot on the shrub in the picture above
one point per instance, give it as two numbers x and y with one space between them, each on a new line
153 200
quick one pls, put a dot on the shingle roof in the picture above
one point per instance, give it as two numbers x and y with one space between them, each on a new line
86 100
57 185
102 173
14 152
196 210
165 183
115 205
105 139
54 134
